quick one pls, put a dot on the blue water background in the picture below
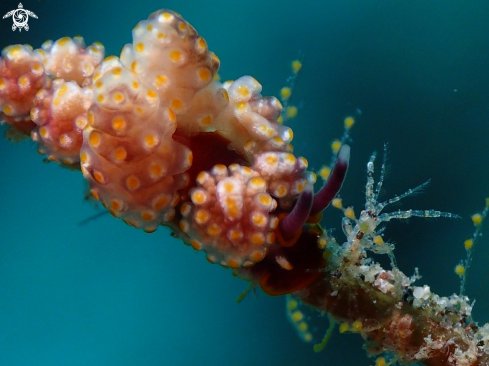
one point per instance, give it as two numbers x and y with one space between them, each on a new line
414 73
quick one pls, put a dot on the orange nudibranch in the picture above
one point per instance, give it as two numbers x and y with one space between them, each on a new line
162 143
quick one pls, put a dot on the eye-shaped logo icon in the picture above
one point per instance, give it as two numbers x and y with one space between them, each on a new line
20 17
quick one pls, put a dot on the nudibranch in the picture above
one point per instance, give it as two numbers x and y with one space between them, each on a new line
163 143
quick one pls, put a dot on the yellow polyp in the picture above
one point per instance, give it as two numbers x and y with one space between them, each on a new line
344 327
280 120
380 361
135 84
460 269
324 172
151 93
337 202
291 112
378 240
469 243
285 93
322 242
302 326
292 303
307 337
149 27
297 316
349 122
100 98
335 146
477 219
350 213
296 66
357 326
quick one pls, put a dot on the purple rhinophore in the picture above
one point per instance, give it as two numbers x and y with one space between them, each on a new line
299 214
325 195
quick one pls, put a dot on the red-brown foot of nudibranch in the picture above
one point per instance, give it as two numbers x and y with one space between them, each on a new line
288 269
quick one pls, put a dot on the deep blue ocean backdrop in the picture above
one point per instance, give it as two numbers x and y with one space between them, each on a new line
414 74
